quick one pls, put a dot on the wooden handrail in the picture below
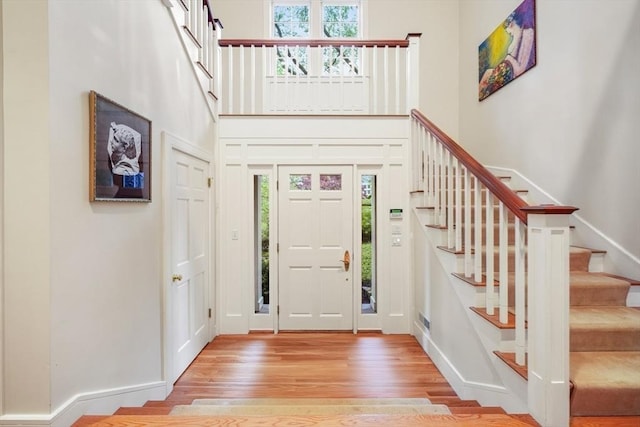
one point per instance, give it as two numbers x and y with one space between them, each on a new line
210 18
507 196
313 42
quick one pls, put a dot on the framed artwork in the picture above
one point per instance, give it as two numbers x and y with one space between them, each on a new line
509 51
120 152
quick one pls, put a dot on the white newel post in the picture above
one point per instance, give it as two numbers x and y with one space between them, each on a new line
548 312
413 71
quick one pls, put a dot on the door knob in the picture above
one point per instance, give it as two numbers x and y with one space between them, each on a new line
176 277
346 260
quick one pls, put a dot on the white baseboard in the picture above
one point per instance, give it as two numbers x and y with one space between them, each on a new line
485 394
103 402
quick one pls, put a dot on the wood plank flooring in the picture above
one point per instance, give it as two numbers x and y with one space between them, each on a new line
314 365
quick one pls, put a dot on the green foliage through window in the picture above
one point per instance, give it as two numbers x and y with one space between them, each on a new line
337 21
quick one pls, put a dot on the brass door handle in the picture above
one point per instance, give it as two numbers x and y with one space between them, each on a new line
346 260
176 277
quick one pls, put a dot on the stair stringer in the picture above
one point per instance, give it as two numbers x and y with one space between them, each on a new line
482 377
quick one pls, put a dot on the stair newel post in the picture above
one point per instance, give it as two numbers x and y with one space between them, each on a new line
413 71
548 311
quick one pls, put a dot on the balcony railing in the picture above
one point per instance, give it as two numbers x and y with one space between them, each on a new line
297 76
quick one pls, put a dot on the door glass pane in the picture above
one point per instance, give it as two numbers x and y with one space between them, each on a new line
300 182
261 249
330 182
368 250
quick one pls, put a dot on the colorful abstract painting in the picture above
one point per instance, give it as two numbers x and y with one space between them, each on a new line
509 51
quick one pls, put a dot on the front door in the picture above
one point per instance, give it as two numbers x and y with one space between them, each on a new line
189 294
315 243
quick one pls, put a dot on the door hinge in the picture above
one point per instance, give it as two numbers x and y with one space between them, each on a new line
209 182
277 185
278 248
278 310
209 313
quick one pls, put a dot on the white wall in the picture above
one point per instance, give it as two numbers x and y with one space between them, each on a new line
84 290
570 124
437 20
27 242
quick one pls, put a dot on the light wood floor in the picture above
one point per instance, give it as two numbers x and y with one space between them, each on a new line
330 365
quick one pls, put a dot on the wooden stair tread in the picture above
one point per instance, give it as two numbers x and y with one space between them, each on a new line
89 420
495 318
510 360
144 410
351 420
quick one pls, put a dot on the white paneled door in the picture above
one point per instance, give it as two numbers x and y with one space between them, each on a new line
189 259
315 244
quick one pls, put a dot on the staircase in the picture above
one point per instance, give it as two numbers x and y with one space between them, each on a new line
604 332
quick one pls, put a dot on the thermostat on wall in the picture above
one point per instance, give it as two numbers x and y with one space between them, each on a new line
395 213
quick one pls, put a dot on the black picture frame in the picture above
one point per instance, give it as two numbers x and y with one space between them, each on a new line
120 152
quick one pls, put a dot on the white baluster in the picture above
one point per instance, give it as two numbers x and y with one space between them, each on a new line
241 79
520 292
450 224
385 78
274 86
374 80
477 262
433 171
364 53
467 224
489 245
265 80
187 16
459 204
503 246
286 78
397 78
436 181
230 78
253 79
443 186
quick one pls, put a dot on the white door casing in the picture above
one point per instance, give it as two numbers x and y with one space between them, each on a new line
315 230
187 297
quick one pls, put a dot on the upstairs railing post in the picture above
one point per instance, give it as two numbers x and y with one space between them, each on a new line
548 313
413 71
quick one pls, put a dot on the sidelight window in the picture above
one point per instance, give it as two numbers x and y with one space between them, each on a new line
368 248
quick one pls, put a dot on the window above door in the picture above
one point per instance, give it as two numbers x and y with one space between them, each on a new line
317 19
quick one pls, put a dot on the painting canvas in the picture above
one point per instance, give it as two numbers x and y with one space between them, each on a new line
120 152
509 51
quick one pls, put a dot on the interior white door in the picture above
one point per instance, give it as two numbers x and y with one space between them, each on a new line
315 223
190 218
